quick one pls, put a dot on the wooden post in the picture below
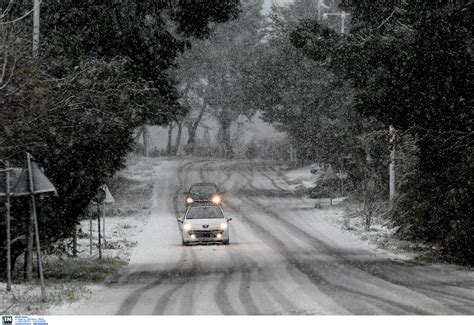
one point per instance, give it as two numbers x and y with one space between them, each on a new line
90 233
35 222
29 247
103 223
7 207
98 230
74 242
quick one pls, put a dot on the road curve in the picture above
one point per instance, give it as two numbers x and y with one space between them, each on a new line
283 259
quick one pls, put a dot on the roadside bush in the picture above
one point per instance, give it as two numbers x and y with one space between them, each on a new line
435 205
325 188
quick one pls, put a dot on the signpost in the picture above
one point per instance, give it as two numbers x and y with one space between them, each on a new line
107 199
35 223
30 182
7 207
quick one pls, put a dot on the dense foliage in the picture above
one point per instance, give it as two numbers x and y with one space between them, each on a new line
100 73
313 105
411 66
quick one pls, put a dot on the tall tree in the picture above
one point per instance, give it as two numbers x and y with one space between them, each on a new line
411 65
221 62
101 72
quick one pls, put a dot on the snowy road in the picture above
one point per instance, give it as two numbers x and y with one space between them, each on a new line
283 259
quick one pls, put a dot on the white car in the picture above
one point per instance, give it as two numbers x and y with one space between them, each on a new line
205 223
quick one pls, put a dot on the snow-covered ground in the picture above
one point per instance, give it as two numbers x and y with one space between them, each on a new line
301 178
125 220
285 257
379 237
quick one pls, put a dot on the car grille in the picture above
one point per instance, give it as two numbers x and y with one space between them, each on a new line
205 233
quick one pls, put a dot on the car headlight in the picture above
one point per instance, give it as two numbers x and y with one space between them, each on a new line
216 199
189 200
223 225
187 226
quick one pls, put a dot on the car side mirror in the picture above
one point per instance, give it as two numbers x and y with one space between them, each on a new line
229 219
180 220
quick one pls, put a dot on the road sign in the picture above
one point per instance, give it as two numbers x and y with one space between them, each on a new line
41 184
108 196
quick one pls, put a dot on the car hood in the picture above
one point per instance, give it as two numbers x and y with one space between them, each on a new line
201 196
212 223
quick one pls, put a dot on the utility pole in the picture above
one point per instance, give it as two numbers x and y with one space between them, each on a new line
343 16
319 10
392 165
36 26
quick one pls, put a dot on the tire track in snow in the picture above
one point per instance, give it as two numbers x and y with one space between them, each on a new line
244 284
190 279
185 279
326 286
246 269
131 300
367 269
313 276
244 295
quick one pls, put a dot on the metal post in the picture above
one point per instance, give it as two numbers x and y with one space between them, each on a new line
35 222
392 165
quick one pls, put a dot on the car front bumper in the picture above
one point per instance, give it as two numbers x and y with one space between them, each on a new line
213 235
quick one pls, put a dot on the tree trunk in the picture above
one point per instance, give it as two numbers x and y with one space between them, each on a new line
226 140
170 138
146 139
191 138
139 134
178 138
192 128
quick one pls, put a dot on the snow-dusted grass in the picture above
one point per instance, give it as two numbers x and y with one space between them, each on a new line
344 215
70 279
25 299
301 178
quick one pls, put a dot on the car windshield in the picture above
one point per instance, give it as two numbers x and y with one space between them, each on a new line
203 188
205 212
